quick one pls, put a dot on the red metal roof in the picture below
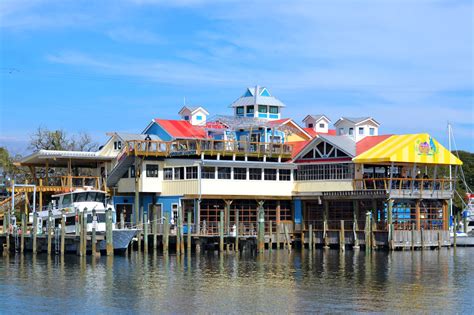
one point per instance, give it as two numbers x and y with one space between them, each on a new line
313 133
298 146
369 142
181 129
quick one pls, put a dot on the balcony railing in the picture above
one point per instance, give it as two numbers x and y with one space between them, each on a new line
63 183
208 147
407 186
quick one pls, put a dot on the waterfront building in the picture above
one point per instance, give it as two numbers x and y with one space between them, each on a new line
346 177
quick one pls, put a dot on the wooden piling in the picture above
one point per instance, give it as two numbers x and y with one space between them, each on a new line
287 237
367 234
422 239
145 232
155 228
109 233
355 225
342 237
270 242
390 223
325 224
310 236
63 233
166 232
278 223
221 232
94 236
81 233
236 246
188 243
261 227
413 225
50 230
455 227
84 232
23 231
35 231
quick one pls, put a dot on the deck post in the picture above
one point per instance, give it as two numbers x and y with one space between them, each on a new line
221 232
413 226
278 223
35 231
145 232
166 232
177 226
237 213
417 215
50 230
270 242
325 224
155 227
84 231
77 223
109 233
23 230
455 229
63 232
188 243
94 236
390 223
181 230
342 239
81 233
355 225
261 227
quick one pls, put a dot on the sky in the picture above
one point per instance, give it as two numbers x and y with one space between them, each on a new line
103 66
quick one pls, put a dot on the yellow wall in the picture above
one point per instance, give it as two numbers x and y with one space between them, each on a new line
320 186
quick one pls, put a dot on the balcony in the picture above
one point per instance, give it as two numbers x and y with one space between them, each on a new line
409 188
195 147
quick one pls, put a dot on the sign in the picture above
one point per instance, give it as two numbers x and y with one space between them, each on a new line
182 153
425 148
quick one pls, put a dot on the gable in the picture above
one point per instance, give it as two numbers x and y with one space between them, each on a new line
322 149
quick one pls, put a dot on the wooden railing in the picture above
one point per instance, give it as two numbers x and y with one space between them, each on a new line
63 183
419 185
207 146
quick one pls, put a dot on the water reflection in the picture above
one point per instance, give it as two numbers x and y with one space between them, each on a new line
276 282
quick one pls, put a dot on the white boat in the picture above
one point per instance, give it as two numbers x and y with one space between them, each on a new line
84 201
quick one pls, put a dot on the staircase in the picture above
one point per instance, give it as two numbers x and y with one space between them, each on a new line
7 203
124 163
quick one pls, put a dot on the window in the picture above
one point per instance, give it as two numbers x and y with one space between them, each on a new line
341 131
186 117
310 125
168 173
151 170
239 110
178 173
223 173
262 109
285 175
198 117
273 109
270 174
361 130
117 145
208 172
132 171
351 131
325 171
372 131
322 126
67 200
275 139
240 173
191 172
255 173
249 109
125 175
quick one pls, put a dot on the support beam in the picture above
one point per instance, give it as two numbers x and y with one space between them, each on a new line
390 223
417 215
278 223
261 227
237 223
325 224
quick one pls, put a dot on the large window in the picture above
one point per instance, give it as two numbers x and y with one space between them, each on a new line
178 173
249 109
168 173
262 109
239 110
270 174
273 109
151 170
325 171
223 173
361 130
285 175
191 172
255 173
208 172
240 173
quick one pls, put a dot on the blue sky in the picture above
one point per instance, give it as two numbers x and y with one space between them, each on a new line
101 66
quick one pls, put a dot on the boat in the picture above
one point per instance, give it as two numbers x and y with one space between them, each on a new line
84 201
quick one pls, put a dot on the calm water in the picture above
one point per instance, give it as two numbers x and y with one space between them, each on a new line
439 281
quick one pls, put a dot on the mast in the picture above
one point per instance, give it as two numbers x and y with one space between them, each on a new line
450 172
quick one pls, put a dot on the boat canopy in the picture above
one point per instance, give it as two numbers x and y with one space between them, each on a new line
414 148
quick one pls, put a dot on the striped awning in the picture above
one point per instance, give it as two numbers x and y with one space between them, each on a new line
416 148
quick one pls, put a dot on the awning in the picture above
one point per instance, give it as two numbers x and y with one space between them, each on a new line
416 148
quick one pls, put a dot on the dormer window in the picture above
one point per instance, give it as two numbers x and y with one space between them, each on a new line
262 109
361 130
310 125
186 117
239 110
372 131
341 131
351 131
199 117
322 126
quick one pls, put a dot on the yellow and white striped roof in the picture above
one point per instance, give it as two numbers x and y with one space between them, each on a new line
417 148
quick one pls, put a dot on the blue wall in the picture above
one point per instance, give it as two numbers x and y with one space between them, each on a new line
298 211
156 129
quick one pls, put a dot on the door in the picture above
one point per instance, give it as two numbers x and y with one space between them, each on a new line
127 210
